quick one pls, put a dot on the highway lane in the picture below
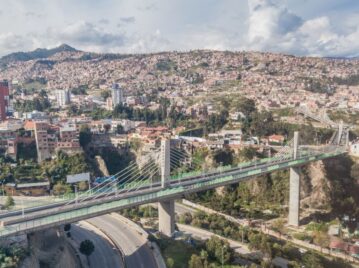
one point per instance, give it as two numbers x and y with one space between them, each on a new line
50 217
105 254
137 253
246 167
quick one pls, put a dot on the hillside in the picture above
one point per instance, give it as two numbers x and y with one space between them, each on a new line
40 53
272 80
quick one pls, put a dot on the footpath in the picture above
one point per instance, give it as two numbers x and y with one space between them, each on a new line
272 233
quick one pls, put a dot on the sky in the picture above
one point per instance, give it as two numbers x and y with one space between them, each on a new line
298 27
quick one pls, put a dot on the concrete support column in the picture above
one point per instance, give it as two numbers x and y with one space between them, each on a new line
294 196
166 217
165 162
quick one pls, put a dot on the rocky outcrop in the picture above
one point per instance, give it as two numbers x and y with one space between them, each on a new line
102 165
315 186
50 249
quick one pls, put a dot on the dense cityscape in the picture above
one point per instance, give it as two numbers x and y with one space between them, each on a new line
202 158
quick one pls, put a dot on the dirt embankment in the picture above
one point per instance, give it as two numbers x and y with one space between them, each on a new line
49 249
332 185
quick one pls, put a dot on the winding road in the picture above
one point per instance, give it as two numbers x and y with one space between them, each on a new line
137 253
105 254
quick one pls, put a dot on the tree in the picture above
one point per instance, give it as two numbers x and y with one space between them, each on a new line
83 185
186 218
170 262
246 154
311 260
321 239
246 106
105 94
85 136
219 249
87 247
61 188
120 129
278 226
195 262
67 227
9 202
223 156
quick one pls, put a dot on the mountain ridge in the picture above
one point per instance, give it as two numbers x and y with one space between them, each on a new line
39 53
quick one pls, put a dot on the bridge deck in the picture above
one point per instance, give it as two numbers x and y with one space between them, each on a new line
45 217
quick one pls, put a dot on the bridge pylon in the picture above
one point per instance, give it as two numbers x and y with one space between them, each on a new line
165 162
166 209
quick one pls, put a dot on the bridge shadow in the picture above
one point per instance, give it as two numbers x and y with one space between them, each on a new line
316 217
142 256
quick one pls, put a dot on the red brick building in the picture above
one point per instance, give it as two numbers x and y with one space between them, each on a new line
4 99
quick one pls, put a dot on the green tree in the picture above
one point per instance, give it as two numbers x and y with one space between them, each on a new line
278 226
246 106
85 135
9 202
219 249
67 227
312 260
83 185
170 263
120 129
105 94
223 156
195 262
321 239
246 154
61 188
87 247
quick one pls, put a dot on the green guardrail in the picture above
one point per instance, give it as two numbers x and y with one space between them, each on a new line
60 217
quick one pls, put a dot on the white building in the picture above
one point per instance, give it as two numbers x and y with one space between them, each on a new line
117 95
63 97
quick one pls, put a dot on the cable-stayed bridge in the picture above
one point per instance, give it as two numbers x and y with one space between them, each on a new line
165 175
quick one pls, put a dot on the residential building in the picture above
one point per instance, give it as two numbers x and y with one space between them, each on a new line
63 97
42 141
117 95
4 99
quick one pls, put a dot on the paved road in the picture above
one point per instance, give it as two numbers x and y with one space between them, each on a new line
105 254
204 234
182 209
137 253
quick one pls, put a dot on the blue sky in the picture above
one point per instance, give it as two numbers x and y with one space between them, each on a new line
305 27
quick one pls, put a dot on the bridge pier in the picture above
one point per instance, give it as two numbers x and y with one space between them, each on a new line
166 209
166 215
294 187
294 196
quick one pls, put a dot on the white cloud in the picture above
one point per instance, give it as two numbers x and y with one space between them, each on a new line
10 42
131 26
275 28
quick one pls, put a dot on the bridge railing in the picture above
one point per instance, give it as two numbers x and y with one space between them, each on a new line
209 180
